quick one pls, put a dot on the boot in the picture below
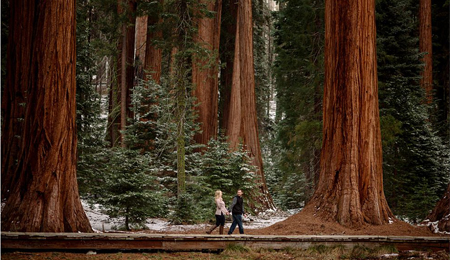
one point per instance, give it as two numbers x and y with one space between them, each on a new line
221 230
211 230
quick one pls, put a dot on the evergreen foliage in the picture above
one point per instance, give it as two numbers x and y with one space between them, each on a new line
90 124
228 171
414 156
263 59
415 144
298 71
440 110
129 188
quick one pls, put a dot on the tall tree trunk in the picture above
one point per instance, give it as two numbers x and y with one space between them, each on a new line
205 73
350 188
41 194
153 54
114 105
126 61
242 122
179 79
141 37
229 19
426 46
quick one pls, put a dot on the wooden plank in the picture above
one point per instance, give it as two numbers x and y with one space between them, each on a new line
175 242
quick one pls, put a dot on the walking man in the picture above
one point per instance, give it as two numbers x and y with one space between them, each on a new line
237 210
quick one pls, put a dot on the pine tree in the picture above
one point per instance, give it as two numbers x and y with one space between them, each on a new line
440 110
90 125
414 157
298 70
130 189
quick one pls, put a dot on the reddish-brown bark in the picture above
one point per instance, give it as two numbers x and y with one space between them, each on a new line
41 193
441 212
205 72
426 46
141 38
153 54
113 109
125 65
242 121
350 188
226 72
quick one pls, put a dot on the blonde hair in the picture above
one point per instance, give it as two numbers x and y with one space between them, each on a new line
218 194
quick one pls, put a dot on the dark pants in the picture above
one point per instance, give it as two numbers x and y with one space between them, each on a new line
220 220
237 220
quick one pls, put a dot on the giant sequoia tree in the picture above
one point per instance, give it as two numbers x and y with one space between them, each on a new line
242 120
426 46
153 54
350 188
39 141
125 64
205 71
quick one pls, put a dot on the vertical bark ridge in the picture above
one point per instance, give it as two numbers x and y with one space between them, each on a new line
43 192
242 121
350 188
205 73
153 54
426 46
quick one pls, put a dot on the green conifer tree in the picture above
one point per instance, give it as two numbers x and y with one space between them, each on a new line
298 73
414 163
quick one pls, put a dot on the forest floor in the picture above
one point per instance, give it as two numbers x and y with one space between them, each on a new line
302 223
242 253
269 223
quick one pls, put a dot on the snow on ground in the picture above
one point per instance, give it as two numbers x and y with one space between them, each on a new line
434 226
101 222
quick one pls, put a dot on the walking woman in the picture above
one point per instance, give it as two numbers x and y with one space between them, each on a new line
221 211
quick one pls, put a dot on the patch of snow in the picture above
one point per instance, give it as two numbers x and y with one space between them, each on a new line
434 226
389 255
391 221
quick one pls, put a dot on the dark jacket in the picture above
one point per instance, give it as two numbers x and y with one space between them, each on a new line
237 206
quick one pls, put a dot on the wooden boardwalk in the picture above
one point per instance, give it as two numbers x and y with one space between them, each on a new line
17 241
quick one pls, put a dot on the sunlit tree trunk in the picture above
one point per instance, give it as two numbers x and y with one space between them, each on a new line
350 188
205 72
242 121
39 185
426 46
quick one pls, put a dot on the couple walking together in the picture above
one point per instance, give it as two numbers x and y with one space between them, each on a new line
236 208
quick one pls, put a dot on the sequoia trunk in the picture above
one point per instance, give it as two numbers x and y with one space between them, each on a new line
153 54
229 20
205 73
426 46
242 121
126 61
350 188
41 191
141 37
